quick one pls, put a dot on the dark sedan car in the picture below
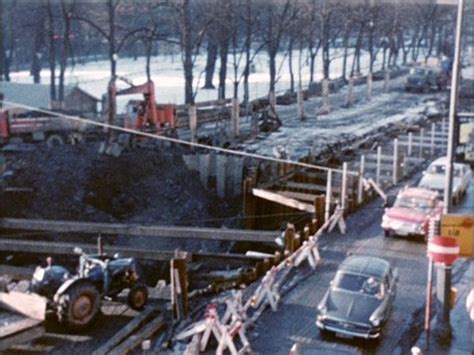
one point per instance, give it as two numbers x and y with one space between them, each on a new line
359 298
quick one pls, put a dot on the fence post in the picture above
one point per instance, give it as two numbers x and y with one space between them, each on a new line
432 146
290 238
395 161
422 134
193 123
410 142
360 190
327 209
369 86
326 107
300 102
344 186
379 160
235 117
350 92
319 204
386 80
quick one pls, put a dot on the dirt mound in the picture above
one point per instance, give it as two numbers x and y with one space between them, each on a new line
142 185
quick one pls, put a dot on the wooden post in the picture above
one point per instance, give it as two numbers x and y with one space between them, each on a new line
386 80
326 107
313 226
379 160
410 142
300 102
204 160
327 209
193 123
297 241
306 234
395 162
344 186
100 245
369 86
318 221
360 188
235 126
350 92
290 238
422 133
272 100
179 287
221 161
432 143
249 204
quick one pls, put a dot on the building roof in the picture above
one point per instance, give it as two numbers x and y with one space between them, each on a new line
35 95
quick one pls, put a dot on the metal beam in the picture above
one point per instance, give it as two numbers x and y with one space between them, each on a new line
138 230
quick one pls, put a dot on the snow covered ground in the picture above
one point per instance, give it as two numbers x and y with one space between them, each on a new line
167 73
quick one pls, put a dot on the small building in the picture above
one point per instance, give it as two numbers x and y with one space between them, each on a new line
76 100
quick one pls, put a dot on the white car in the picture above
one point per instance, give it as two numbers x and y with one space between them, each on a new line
434 178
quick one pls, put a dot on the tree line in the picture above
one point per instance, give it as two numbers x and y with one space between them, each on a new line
54 34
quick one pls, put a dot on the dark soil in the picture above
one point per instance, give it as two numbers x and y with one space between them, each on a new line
147 186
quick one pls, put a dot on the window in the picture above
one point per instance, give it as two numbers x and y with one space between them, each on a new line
358 283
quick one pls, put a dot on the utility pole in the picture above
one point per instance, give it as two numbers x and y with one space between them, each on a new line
443 276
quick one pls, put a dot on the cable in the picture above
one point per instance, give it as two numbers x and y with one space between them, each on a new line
174 140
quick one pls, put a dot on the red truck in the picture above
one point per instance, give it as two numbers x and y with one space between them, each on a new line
30 127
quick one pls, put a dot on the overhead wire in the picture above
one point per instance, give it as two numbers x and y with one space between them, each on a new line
175 140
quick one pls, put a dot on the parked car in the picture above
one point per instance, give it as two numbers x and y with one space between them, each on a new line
435 176
425 79
411 212
359 298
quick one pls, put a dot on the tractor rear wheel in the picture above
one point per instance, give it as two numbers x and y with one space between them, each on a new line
79 305
138 297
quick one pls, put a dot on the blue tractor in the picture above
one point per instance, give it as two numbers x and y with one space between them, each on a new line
76 298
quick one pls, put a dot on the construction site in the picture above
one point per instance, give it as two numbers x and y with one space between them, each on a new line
133 225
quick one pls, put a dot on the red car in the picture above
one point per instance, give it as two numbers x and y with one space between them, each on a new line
411 212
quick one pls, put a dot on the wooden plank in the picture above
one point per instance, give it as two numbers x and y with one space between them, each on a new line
12 323
53 248
134 340
30 305
309 187
282 200
127 330
23 336
138 230
298 195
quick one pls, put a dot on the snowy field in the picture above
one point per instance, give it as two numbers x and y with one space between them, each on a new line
167 73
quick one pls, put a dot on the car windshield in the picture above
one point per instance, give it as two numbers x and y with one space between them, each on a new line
358 283
441 169
413 202
417 71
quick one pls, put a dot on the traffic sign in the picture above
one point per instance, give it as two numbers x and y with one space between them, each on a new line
443 249
461 228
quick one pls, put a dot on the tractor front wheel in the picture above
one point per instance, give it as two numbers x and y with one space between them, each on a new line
138 297
78 306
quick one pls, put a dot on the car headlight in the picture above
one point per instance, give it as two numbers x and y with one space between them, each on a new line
322 308
375 321
420 228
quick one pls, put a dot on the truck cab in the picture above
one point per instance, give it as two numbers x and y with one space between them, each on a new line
425 78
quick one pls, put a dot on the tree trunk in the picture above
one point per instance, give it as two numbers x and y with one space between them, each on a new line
37 48
66 49
224 51
312 60
356 58
210 64
52 52
344 58
271 57
188 53
290 65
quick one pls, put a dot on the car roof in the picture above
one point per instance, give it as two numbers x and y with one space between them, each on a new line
444 160
367 265
419 192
